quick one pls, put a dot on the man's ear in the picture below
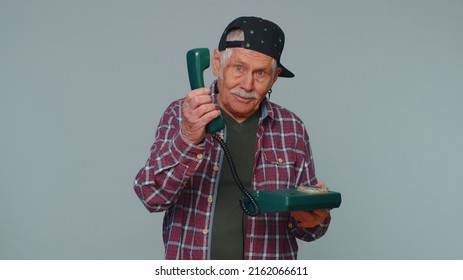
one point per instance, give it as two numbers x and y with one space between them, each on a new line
216 62
275 76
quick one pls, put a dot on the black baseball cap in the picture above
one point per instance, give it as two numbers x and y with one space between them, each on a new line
260 35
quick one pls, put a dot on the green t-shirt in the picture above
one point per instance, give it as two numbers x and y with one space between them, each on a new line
229 226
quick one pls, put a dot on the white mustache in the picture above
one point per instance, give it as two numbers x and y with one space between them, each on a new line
244 94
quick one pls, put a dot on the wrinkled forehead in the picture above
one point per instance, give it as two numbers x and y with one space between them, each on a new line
247 56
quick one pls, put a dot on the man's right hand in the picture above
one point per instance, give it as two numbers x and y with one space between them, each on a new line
198 110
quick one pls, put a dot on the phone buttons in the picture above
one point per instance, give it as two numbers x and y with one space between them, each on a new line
312 189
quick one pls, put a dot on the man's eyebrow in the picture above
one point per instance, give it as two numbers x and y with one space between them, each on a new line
258 68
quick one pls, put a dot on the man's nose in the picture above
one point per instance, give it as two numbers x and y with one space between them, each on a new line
247 83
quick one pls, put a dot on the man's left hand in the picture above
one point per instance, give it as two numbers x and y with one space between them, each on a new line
310 219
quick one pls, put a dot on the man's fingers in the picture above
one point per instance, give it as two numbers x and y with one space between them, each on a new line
197 104
310 219
299 215
203 111
198 97
198 111
321 213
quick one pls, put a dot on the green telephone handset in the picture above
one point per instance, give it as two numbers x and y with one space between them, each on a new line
255 202
198 60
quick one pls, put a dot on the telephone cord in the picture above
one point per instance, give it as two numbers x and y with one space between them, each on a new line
247 202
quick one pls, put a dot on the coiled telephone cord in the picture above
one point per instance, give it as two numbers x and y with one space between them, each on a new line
247 202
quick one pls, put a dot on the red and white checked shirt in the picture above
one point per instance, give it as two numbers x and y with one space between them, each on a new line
182 179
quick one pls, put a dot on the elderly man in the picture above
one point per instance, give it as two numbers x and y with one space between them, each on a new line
185 174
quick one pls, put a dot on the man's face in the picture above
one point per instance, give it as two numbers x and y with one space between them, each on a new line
244 83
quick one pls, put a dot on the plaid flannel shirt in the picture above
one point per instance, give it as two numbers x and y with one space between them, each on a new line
182 179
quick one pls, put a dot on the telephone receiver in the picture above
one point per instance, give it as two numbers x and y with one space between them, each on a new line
198 60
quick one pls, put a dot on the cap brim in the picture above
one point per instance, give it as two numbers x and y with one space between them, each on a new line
285 73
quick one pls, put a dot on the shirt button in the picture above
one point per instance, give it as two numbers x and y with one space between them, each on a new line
210 199
280 160
215 168
199 156
205 231
290 225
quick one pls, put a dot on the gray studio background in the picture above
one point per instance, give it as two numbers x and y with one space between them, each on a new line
83 84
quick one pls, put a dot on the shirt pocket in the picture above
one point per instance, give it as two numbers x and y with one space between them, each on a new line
278 169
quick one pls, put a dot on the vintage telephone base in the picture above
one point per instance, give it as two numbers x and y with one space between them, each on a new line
294 200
